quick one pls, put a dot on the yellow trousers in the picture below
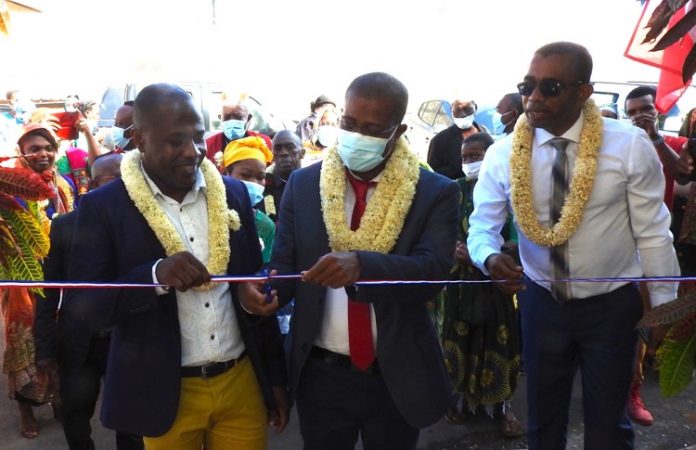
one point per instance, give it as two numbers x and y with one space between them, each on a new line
225 412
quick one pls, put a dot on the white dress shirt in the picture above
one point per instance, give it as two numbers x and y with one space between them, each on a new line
625 228
207 320
333 334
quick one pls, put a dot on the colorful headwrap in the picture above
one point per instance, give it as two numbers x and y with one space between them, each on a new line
247 148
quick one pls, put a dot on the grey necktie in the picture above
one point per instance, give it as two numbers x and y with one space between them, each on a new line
559 254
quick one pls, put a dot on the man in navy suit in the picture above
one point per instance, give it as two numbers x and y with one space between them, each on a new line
186 364
71 349
365 360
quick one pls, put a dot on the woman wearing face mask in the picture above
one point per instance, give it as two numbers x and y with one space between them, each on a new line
480 332
246 159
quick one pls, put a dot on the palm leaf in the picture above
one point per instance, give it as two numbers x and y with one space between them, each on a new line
24 183
25 266
8 202
689 67
29 232
670 312
683 329
677 365
677 32
675 5
658 21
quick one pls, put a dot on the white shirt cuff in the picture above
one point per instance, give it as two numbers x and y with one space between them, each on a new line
158 290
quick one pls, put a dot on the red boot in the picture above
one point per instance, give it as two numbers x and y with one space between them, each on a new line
636 408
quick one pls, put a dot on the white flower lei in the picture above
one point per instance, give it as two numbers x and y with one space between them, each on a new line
220 219
584 171
386 211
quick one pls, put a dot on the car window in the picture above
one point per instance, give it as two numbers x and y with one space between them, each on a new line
428 113
443 119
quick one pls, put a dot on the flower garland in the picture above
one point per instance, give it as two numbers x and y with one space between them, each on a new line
386 211
220 219
584 171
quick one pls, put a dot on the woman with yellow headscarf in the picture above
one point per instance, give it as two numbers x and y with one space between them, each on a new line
246 159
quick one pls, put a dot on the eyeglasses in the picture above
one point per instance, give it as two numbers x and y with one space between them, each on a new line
549 87
367 130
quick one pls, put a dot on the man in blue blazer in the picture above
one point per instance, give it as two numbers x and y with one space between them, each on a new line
365 359
186 365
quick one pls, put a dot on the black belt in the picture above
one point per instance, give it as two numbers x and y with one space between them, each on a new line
340 360
212 369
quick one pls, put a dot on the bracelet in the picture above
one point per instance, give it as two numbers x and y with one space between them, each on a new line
659 140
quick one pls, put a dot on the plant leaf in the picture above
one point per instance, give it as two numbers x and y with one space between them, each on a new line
675 5
689 67
658 21
683 329
8 202
29 232
24 183
677 365
677 31
670 312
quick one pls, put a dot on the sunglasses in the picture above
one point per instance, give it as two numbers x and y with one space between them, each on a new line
549 87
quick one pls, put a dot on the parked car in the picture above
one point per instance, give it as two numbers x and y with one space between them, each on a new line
434 116
207 97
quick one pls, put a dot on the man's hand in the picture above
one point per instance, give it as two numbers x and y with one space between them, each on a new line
504 267
461 254
49 367
252 297
685 164
278 418
182 271
648 122
335 270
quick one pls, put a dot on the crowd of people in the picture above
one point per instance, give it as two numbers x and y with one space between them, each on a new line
191 361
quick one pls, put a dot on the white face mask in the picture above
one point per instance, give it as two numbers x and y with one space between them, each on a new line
464 123
327 135
471 170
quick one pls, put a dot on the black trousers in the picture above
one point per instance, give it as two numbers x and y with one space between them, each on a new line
596 334
336 404
79 393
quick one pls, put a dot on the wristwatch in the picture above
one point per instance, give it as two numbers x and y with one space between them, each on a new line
658 140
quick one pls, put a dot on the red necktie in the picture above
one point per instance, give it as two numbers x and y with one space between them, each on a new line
362 352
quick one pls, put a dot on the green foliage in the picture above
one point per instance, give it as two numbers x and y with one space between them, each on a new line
29 232
676 365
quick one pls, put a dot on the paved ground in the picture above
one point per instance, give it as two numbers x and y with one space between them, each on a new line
675 427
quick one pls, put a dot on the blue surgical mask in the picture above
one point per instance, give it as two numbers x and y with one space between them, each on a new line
360 153
234 129
498 123
255 191
119 139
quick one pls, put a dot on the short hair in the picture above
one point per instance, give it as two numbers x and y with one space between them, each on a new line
86 106
292 134
156 100
580 57
380 85
130 103
516 101
481 137
641 91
